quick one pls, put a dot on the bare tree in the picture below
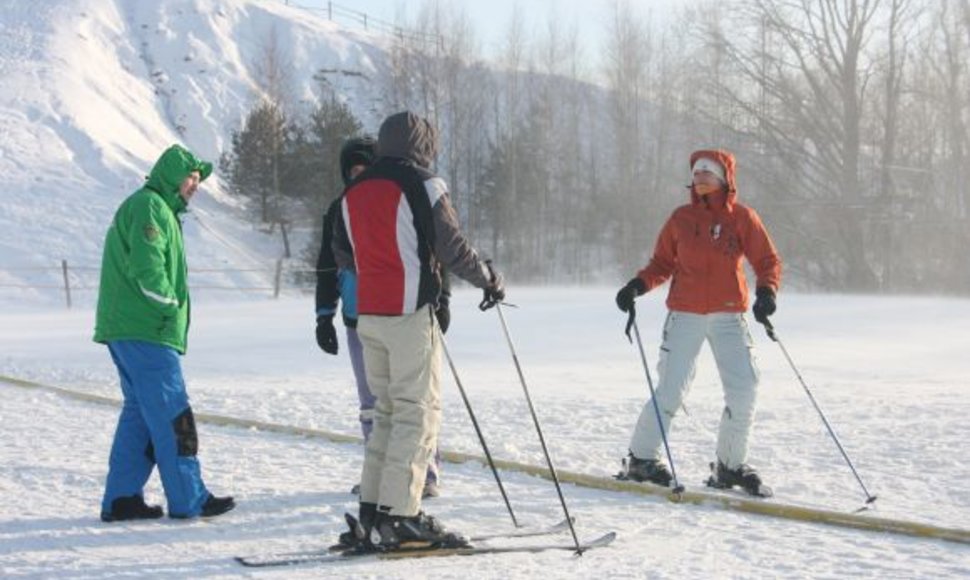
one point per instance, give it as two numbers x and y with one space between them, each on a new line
626 67
814 77
273 76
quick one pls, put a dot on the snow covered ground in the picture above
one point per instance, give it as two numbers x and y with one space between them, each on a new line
891 373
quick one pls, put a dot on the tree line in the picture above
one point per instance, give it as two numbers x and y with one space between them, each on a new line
848 119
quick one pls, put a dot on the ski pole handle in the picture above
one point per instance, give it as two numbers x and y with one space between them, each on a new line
630 320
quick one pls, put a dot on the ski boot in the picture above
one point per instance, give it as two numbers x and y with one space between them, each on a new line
358 537
430 490
131 508
645 470
416 532
744 477
430 486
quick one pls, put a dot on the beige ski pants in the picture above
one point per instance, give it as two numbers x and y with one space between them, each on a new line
402 359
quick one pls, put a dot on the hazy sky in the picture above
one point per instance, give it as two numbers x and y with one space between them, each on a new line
491 17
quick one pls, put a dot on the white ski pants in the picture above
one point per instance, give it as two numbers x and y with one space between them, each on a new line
684 334
402 359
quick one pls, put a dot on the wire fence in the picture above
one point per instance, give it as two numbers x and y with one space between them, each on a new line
85 278
338 13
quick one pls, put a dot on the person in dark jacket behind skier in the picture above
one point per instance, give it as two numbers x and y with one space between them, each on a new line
340 285
701 248
143 317
397 229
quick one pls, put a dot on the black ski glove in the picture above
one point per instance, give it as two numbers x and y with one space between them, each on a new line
495 291
326 334
443 314
629 293
764 304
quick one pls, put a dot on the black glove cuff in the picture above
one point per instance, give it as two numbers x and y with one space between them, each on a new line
765 292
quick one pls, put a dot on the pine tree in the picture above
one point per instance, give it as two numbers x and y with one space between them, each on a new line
329 126
252 167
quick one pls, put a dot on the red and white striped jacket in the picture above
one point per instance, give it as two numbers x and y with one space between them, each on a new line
396 229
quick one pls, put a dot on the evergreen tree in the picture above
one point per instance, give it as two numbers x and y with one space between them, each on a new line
252 167
318 155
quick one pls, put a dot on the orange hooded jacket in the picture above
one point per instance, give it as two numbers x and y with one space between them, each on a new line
701 247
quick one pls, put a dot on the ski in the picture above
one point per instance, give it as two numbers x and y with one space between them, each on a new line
559 528
333 557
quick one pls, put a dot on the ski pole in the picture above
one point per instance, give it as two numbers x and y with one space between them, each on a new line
678 489
535 420
478 431
771 334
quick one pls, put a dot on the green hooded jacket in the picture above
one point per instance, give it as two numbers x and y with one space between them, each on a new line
144 292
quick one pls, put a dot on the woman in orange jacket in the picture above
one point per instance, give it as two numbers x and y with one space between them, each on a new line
700 248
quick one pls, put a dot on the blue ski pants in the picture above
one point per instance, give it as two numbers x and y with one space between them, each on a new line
156 427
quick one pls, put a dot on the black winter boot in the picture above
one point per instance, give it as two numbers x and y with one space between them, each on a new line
414 532
215 506
649 470
131 508
744 476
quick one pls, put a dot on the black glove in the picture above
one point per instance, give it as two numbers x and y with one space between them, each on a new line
495 291
627 294
764 304
443 314
326 334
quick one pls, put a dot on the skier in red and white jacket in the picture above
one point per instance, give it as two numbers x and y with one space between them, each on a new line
397 229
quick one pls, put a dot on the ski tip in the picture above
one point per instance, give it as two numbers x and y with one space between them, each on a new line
603 540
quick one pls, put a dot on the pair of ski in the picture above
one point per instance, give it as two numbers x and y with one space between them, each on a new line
328 556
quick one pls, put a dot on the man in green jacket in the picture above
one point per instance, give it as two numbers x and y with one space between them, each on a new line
143 317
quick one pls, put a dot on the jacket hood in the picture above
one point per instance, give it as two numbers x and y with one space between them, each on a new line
356 151
726 159
409 136
172 167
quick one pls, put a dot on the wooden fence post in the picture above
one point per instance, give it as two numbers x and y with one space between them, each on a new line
278 277
67 283
286 239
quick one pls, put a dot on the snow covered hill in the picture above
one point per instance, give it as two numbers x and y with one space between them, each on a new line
94 90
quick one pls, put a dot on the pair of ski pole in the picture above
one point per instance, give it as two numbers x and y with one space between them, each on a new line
485 305
770 329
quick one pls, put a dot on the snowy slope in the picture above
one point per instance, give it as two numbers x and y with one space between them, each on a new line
94 90
893 384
